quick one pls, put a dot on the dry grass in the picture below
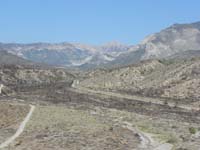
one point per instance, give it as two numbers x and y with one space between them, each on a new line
57 127
10 117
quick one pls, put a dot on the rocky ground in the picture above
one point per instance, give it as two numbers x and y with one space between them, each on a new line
67 118
171 79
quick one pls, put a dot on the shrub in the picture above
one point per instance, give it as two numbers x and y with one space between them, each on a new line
172 140
192 130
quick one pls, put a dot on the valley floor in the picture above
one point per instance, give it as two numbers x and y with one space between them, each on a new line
66 119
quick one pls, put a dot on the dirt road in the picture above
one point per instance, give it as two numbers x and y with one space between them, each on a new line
19 130
80 89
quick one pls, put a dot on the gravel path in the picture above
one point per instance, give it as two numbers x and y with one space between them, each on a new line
147 142
19 130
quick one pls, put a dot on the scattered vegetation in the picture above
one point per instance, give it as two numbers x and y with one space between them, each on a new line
172 139
192 130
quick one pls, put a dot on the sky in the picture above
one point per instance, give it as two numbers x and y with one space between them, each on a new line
91 21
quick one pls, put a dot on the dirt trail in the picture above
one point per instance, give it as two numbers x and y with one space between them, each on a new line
1 87
131 97
147 142
19 130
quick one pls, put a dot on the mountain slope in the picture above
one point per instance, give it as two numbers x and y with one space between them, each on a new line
10 59
176 79
18 72
66 54
176 39
185 55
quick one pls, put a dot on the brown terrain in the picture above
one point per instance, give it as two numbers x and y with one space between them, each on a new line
169 79
144 106
10 117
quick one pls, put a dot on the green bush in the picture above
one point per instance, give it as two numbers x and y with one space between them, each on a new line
192 130
172 140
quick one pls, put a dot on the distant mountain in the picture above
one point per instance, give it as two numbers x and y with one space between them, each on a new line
114 47
173 40
66 54
176 39
185 55
10 59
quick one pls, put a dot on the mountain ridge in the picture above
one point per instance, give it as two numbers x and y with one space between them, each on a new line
175 39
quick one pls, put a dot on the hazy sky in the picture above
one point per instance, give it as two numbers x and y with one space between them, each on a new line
91 21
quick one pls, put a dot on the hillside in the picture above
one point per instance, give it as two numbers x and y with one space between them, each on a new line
177 38
15 78
176 79
9 59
